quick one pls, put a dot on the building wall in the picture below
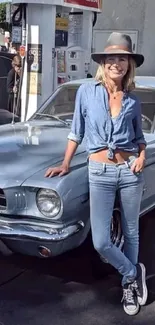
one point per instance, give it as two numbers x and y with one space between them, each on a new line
132 15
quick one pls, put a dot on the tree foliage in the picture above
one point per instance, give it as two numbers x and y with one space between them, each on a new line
3 24
2 12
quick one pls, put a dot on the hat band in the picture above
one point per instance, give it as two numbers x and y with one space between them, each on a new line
117 47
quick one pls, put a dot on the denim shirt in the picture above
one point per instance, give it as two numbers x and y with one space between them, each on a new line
93 121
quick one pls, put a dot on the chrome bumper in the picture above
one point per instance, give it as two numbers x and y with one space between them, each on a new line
31 230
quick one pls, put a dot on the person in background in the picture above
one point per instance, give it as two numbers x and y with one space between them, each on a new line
13 79
108 114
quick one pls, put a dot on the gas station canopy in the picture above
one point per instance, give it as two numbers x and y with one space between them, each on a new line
92 5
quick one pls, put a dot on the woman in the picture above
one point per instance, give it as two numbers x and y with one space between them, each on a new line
13 79
109 115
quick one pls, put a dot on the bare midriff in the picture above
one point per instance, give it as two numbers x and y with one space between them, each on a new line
119 156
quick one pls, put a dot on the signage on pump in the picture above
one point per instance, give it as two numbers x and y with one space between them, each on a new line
95 5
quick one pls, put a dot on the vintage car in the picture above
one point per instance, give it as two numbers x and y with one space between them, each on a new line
48 216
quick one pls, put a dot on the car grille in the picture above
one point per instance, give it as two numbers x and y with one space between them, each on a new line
2 200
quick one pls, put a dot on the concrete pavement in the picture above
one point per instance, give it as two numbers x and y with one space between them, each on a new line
65 292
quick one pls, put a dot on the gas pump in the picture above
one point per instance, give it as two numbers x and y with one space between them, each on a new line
69 65
73 51
75 63
54 62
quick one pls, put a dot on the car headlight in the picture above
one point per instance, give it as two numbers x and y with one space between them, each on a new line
48 202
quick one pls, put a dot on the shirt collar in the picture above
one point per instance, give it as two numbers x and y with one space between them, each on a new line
96 83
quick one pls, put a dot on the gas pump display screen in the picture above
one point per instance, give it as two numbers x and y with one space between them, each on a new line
61 38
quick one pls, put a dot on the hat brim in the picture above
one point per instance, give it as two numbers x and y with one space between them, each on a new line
138 58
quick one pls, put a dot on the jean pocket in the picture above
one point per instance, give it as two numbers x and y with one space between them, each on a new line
131 161
130 164
137 174
95 171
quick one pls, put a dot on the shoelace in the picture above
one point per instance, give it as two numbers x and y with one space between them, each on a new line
128 295
135 286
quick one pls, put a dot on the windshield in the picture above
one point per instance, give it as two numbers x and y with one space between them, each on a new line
61 105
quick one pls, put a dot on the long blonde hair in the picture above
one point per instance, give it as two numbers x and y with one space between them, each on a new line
128 83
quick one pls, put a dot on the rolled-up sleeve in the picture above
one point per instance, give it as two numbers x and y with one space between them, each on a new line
78 124
139 136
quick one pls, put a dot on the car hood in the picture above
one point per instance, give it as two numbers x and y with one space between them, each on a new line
27 148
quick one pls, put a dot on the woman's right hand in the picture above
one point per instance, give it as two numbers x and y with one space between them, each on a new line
59 170
64 168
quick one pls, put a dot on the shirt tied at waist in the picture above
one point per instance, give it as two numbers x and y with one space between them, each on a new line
111 149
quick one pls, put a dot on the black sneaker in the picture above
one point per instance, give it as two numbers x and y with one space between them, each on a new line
140 284
130 301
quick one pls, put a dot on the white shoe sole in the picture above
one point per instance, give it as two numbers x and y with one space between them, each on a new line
142 302
131 312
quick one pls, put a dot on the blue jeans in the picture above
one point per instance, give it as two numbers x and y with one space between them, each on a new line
104 180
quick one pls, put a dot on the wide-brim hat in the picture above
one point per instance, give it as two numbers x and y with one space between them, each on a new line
118 43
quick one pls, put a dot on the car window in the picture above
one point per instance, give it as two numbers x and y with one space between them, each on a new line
147 99
148 117
63 103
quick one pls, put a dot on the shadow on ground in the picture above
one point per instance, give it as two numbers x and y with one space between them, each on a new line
67 290
83 265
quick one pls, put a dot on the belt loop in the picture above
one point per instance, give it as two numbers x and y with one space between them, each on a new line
104 167
127 163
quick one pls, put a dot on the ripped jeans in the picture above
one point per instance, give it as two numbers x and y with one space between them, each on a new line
104 180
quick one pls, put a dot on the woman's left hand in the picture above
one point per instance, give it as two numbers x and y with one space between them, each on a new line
138 165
